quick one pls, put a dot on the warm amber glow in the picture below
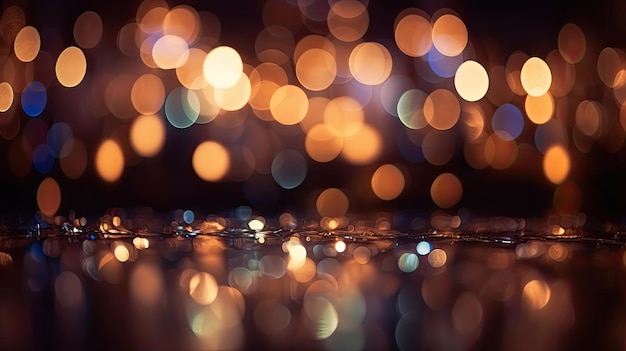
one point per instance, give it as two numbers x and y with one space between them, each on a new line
446 190
109 160
71 67
536 294
348 20
147 135
370 63
190 74
332 202
148 94
316 69
289 105
48 196
387 182
27 44
449 35
539 108
588 118
322 143
234 97
345 115
363 147
183 21
413 34
6 96
88 29
556 164
610 67
211 161
536 76
222 67
442 109
471 81
572 43
203 288
170 51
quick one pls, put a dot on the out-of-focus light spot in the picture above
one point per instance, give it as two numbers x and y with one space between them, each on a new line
170 51
588 118
34 98
68 289
364 147
146 284
211 161
147 135
43 161
74 163
558 252
322 315
563 74
183 21
536 76
190 74
387 182
572 43
539 108
551 133
446 190
12 21
467 315
59 135
71 67
273 266
507 122
413 34
348 20
289 169
610 67
340 246
536 294
182 107
332 202
203 288
6 96
141 243
437 258
147 94
362 255
442 109
322 143
150 16
88 30
423 248
256 224
222 67
274 44
556 164
345 115
408 262
442 65
392 91
235 97
109 160
370 63
117 96
438 147
48 196
121 253
27 44
411 109
449 35
471 81
500 153
289 105
271 317
316 69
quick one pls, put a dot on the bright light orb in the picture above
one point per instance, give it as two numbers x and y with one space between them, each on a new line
536 77
222 67
471 81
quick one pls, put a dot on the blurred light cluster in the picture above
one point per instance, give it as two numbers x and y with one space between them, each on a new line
317 90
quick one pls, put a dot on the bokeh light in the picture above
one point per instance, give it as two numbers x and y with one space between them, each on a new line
508 122
332 202
222 67
88 29
370 63
446 190
6 96
449 35
289 105
572 43
471 81
556 164
147 135
109 160
27 44
48 196
413 34
71 67
388 182
289 169
442 109
211 161
535 76
148 94
170 51
34 98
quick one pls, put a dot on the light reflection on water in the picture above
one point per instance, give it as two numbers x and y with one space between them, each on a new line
310 290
